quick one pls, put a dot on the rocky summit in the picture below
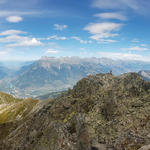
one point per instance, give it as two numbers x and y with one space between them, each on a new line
101 112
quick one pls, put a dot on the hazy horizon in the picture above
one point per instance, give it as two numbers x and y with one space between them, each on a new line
81 57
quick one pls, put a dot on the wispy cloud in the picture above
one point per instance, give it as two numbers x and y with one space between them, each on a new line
122 56
82 48
14 19
138 6
144 45
16 38
7 13
12 32
55 37
135 41
111 15
3 53
102 31
80 40
136 48
26 43
120 4
52 51
100 28
106 41
12 38
60 27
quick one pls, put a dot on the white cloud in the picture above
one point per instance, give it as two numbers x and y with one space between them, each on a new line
136 48
122 56
106 41
80 40
144 45
135 41
12 32
82 48
51 51
14 19
26 43
3 53
55 37
60 27
138 6
100 37
101 31
111 15
99 28
119 4
14 38
7 13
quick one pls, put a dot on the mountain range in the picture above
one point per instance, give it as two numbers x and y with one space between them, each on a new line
50 74
3 71
145 74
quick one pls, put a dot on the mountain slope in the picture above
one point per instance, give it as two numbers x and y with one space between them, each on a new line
50 74
48 71
100 112
12 108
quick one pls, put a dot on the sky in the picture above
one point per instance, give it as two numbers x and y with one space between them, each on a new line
117 29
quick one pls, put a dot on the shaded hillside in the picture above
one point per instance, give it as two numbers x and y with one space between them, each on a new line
101 112
13 109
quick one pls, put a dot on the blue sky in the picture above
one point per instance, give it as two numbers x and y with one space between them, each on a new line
117 29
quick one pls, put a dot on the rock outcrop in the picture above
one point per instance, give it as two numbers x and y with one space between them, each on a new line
101 112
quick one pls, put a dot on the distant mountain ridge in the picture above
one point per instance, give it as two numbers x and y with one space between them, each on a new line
145 74
4 71
55 74
51 74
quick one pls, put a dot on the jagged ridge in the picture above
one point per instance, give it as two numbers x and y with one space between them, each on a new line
101 111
